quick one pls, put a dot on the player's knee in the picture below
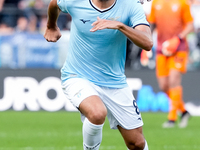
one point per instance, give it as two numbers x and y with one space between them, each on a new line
163 87
98 116
136 145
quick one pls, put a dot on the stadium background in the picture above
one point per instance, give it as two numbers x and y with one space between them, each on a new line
25 55
35 115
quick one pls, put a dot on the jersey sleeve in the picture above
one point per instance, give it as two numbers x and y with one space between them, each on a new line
137 16
186 13
151 16
62 5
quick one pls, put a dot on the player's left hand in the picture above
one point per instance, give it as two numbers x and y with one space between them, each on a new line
101 24
169 47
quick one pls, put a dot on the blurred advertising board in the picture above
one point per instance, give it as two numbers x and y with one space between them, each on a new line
31 50
37 89
40 89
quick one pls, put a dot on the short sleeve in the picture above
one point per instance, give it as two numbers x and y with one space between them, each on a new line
186 13
137 16
62 5
151 16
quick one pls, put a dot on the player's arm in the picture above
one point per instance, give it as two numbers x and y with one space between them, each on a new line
170 46
1 5
52 32
140 35
189 28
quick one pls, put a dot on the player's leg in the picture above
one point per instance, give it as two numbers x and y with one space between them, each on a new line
162 74
163 85
174 93
123 114
134 138
93 109
178 67
95 112
84 97
177 104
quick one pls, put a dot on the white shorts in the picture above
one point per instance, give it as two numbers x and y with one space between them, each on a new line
121 105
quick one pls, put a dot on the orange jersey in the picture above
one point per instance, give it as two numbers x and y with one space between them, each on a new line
170 18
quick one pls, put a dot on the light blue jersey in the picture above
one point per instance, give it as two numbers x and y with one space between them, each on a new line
99 56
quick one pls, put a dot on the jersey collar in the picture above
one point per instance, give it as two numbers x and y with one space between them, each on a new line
102 10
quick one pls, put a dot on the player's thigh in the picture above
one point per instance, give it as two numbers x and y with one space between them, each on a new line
77 89
178 66
162 71
179 61
162 67
163 83
133 136
122 108
94 109
175 78
84 97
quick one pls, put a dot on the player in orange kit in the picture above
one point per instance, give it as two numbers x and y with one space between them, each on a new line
173 22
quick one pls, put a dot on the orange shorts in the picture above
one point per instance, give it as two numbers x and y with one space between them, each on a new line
178 62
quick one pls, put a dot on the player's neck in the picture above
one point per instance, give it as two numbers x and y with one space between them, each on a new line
103 4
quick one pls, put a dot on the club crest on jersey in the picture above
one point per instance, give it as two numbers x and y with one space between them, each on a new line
175 7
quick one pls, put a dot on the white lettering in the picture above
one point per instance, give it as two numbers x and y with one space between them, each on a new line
7 101
26 93
45 102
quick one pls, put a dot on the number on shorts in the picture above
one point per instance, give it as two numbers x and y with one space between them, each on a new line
136 107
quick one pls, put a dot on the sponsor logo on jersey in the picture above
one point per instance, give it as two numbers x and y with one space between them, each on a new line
84 21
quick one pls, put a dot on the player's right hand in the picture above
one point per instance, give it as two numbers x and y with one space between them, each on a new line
169 47
52 34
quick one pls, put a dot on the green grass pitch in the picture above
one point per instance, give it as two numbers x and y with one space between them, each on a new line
62 131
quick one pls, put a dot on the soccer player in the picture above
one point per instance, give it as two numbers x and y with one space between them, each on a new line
93 76
173 22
